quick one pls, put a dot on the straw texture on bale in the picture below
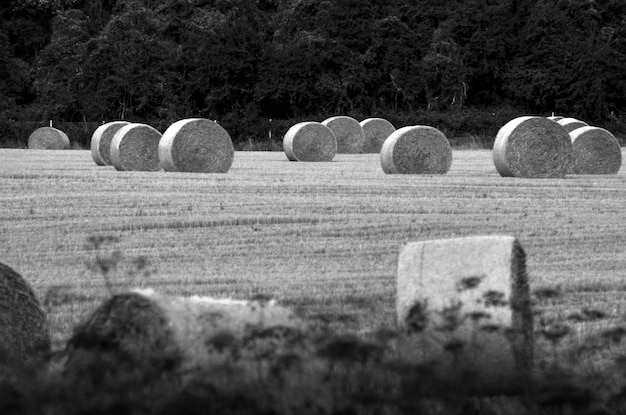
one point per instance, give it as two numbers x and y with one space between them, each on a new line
309 141
144 323
532 147
136 147
416 149
348 132
570 124
473 290
596 151
101 142
376 131
48 138
196 145
24 333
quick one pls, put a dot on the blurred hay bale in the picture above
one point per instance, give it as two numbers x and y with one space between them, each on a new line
348 132
570 124
24 336
416 149
309 141
136 147
466 302
596 151
196 145
101 142
532 147
201 332
48 138
376 131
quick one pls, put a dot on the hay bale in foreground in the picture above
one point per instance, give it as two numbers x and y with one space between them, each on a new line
200 332
376 131
24 333
570 124
309 141
136 147
416 149
472 292
348 132
196 145
532 147
48 138
101 142
596 151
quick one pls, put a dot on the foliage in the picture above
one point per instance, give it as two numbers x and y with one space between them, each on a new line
243 62
317 370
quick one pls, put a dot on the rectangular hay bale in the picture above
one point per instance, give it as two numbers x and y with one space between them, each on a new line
465 303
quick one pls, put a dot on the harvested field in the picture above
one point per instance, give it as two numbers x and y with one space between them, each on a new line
322 238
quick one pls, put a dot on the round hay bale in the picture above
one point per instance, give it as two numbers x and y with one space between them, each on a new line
196 145
48 138
596 151
198 332
24 333
348 132
532 147
376 131
416 149
570 124
101 142
309 141
136 147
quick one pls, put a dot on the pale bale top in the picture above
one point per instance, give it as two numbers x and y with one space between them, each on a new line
348 132
101 142
570 124
376 131
48 138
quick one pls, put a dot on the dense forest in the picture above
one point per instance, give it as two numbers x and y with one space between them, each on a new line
256 66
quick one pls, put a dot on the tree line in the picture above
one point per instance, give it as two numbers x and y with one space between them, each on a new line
244 62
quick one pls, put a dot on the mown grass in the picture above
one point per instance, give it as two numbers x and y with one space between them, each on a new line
321 237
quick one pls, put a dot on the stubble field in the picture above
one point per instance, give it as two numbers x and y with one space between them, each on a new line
320 237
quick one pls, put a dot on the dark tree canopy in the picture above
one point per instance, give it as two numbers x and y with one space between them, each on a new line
243 61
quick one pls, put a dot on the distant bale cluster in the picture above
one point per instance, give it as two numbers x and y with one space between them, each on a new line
48 138
321 141
191 145
537 147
